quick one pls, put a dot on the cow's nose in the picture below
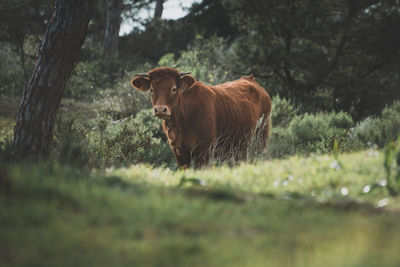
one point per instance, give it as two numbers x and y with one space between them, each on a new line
160 110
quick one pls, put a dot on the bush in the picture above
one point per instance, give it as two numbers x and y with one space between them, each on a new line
152 124
102 143
87 79
280 144
378 130
391 122
122 100
70 145
366 133
317 132
309 133
283 111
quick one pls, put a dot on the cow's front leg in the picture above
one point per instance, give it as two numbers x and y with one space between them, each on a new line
182 158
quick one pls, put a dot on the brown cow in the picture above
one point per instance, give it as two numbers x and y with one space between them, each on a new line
201 120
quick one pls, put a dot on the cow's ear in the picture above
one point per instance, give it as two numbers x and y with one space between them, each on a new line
140 83
185 82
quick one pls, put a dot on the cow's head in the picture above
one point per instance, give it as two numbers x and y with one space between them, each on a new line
166 85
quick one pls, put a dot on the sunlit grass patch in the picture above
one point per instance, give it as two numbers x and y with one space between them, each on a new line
320 177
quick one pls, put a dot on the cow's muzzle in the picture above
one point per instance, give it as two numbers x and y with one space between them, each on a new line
162 112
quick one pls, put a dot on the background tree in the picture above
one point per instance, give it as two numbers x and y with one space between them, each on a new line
207 18
19 22
158 9
58 52
325 55
114 10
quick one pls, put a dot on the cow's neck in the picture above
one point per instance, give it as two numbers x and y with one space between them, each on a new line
174 122
176 119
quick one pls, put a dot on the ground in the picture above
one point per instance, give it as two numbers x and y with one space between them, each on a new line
316 211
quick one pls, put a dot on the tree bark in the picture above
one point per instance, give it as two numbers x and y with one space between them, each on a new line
114 9
57 54
159 9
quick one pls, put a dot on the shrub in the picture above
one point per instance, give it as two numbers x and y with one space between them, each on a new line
70 145
366 133
317 132
122 100
152 124
283 111
102 143
391 121
127 142
87 79
280 144
308 133
378 130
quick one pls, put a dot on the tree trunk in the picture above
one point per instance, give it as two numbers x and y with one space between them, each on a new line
159 9
57 54
114 9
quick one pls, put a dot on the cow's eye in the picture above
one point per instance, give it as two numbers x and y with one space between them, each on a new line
151 90
174 90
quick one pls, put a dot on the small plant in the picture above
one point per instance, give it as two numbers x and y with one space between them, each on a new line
337 164
392 167
258 139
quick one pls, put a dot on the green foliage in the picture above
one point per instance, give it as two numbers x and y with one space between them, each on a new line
121 100
378 130
159 38
204 58
128 142
6 138
208 18
6 130
392 167
317 53
281 144
70 145
87 79
366 133
309 133
283 111
391 121
317 132
104 143
152 124
12 79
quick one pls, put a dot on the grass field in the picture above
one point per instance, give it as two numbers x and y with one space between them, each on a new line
315 211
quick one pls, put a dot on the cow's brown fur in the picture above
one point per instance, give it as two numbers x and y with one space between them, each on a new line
208 118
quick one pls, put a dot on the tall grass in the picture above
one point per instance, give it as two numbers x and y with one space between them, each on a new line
392 167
